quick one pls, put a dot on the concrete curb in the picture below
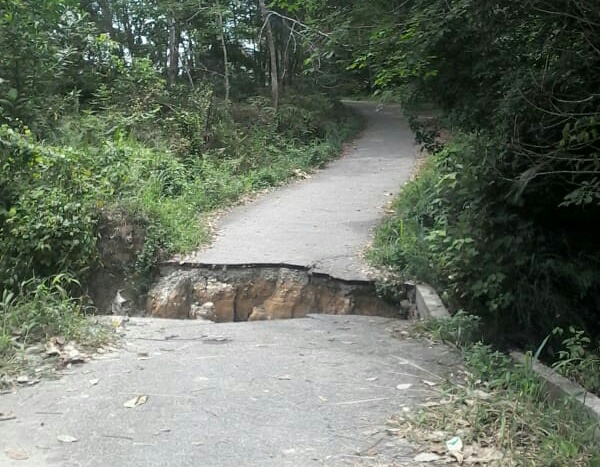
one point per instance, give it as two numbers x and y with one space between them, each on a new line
559 386
429 304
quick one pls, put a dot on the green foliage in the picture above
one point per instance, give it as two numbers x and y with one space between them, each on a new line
165 179
455 230
41 308
578 360
461 330
46 219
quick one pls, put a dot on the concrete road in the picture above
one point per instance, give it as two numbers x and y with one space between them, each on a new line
308 392
324 222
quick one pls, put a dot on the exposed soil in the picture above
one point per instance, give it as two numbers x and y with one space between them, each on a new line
120 241
252 292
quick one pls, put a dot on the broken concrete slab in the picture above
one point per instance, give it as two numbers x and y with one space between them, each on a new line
429 304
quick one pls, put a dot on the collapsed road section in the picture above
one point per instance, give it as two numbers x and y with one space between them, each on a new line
251 292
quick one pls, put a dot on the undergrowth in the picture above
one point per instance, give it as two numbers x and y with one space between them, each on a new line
457 227
41 309
500 410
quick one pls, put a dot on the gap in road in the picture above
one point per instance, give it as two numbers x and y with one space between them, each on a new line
255 292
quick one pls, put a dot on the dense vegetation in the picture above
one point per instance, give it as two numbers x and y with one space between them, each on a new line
500 220
125 120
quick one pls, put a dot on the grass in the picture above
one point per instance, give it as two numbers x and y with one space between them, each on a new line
500 410
41 310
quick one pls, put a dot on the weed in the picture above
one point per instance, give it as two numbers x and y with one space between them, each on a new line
41 309
460 330
577 360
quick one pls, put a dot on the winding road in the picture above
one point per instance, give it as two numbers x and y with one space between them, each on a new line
307 392
324 222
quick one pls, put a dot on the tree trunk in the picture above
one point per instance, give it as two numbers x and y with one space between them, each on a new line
173 65
108 24
224 46
128 31
272 54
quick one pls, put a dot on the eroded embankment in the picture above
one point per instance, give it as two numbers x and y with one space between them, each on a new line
250 292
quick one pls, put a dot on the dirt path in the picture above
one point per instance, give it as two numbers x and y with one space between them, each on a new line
316 391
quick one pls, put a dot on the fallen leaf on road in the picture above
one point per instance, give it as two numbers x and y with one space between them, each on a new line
52 350
430 404
485 456
404 386
482 394
67 439
459 456
374 378
324 399
16 454
136 401
427 457
93 382
71 355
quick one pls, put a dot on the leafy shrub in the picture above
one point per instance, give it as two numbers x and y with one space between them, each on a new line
455 229
577 359
47 219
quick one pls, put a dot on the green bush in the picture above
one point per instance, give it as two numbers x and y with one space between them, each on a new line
47 219
455 229
52 192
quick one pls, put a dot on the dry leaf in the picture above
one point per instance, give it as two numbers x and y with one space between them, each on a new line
485 456
429 383
459 456
481 394
93 382
16 454
52 350
324 399
404 386
431 404
67 439
136 401
71 355
427 457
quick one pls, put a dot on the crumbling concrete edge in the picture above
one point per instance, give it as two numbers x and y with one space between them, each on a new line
429 304
560 387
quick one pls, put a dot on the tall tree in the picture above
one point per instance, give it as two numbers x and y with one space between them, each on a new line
266 16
